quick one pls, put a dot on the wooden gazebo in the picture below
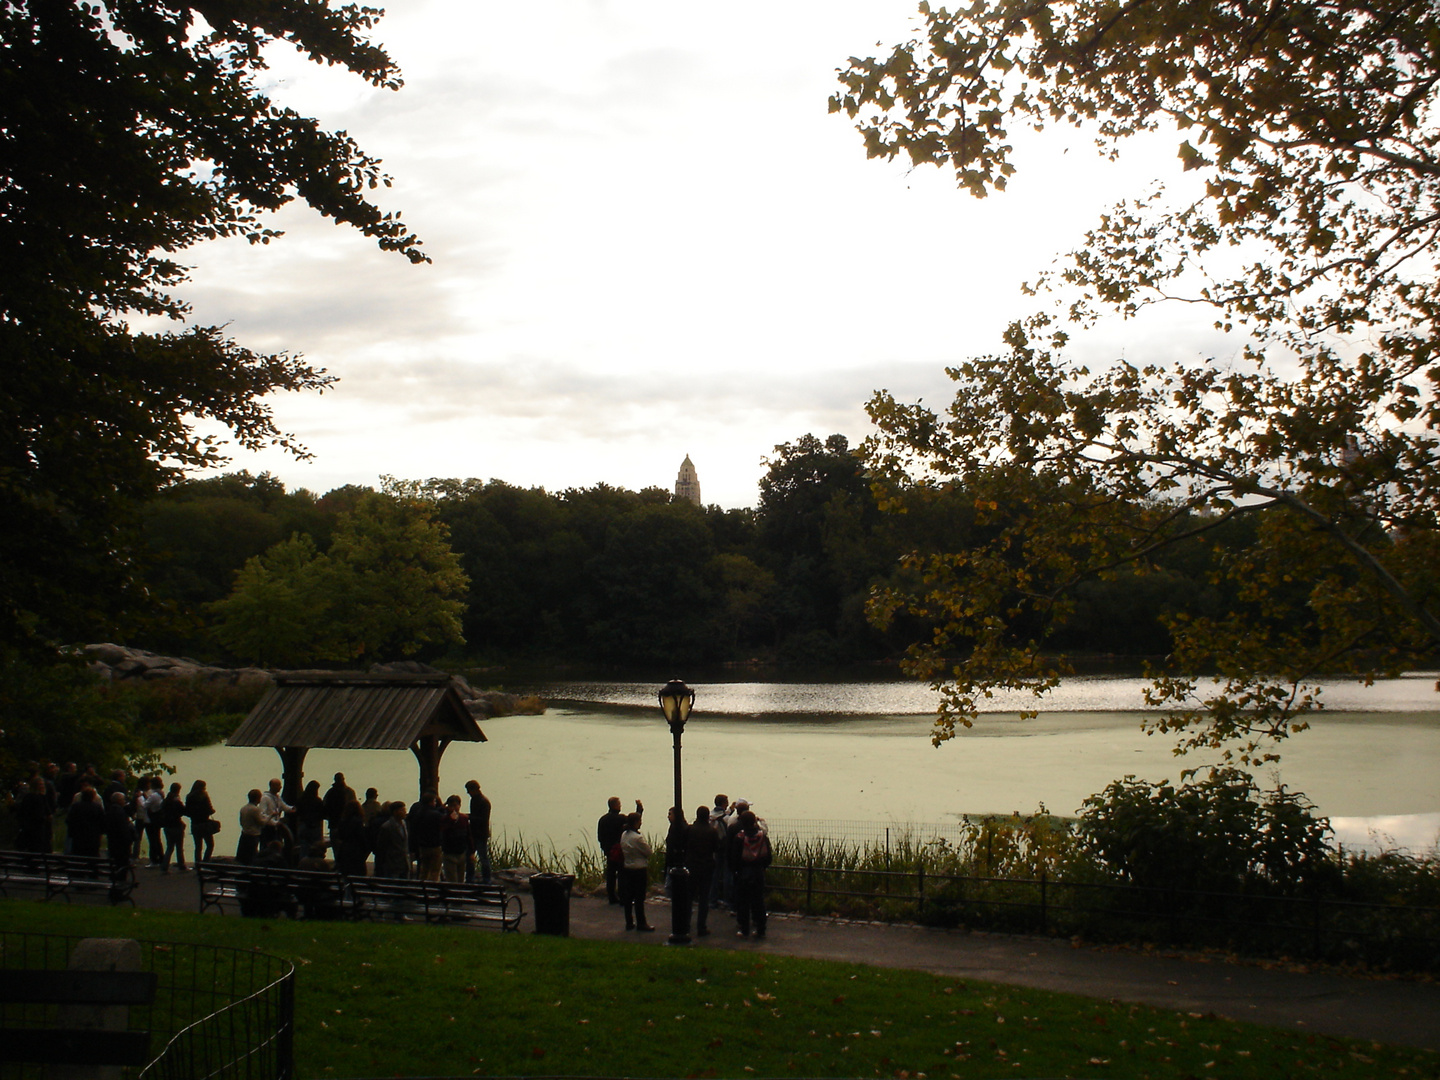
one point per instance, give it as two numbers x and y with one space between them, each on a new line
356 711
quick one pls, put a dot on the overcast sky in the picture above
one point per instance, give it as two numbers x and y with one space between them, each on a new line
649 238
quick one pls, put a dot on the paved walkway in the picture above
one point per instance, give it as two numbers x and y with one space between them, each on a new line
1403 1012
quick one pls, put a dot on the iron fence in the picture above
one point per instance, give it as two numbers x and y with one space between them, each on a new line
1319 927
878 836
226 1014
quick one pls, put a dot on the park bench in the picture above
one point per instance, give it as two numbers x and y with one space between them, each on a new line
270 890
62 875
90 1010
411 900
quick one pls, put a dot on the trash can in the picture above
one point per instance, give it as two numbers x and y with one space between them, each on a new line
550 899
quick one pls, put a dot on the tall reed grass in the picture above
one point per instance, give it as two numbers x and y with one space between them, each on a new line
1008 846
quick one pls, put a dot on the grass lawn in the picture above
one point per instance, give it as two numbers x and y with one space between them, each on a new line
376 1000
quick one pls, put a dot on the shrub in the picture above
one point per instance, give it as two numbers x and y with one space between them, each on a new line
183 712
1212 834
58 712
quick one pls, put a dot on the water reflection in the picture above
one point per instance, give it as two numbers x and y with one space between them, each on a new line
1412 693
861 751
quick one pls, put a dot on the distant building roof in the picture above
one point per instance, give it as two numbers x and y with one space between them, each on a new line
687 483
354 710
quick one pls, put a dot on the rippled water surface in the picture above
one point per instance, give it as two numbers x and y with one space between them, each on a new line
1078 694
861 751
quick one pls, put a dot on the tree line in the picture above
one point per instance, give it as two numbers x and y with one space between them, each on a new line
242 570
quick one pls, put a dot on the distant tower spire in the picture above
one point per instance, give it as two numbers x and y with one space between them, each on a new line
687 484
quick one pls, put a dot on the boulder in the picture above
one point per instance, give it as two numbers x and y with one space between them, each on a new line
404 667
114 663
487 703
252 677
106 653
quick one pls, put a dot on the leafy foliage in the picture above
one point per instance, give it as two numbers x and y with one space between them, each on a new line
1211 834
390 584
1312 126
279 612
586 573
182 711
818 531
134 131
198 532
60 712
556 575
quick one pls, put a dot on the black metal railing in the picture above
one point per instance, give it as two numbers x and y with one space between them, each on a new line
220 1013
1312 926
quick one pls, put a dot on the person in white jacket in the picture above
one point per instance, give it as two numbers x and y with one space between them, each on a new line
634 875
151 802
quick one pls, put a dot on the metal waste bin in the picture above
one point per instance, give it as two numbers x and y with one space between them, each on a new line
550 899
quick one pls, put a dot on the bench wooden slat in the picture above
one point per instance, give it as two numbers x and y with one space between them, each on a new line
319 891
368 897
80 987
436 901
77 1046
58 874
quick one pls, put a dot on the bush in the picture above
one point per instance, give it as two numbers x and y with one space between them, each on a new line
1208 835
183 712
59 712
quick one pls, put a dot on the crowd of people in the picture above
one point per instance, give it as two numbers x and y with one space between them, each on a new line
425 839
725 851
333 830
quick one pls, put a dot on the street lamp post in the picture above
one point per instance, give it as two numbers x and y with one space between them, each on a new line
676 700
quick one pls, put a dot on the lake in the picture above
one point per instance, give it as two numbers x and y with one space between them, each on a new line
859 751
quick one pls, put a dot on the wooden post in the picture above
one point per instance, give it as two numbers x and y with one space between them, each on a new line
428 750
292 774
1043 905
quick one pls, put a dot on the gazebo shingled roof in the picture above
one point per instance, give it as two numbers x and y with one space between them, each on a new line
354 710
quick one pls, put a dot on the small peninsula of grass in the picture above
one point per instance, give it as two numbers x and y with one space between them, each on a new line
378 1000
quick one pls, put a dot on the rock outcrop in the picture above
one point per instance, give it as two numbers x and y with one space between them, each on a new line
482 703
117 663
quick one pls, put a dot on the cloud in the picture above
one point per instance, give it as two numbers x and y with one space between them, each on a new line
649 238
